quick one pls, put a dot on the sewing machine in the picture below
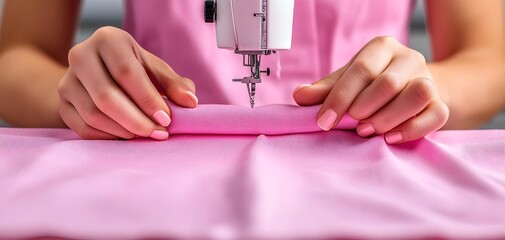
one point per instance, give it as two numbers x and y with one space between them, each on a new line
252 28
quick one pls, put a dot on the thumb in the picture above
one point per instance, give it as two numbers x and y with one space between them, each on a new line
316 93
179 90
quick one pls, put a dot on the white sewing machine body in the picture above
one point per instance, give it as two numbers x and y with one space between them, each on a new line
254 25
252 28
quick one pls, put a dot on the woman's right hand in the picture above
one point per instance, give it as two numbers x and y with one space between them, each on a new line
109 89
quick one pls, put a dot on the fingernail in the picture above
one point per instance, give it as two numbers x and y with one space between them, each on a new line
301 86
394 137
162 118
327 120
193 96
159 135
365 129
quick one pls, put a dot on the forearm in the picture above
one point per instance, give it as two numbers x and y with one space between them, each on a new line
472 83
28 88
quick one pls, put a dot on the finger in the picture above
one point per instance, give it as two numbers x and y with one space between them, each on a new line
128 72
416 96
109 98
76 94
371 62
179 89
430 120
388 84
73 120
317 92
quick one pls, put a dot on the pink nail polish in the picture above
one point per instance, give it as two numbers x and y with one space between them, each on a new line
393 138
193 96
159 135
327 120
162 118
365 129
300 87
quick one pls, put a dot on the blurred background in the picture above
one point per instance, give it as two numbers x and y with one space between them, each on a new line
98 13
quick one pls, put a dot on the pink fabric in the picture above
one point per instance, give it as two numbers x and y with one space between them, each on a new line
326 34
234 119
222 184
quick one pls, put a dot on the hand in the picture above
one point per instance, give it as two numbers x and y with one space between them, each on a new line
387 87
110 89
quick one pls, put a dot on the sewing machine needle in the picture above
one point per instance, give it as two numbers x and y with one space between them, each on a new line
251 89
252 101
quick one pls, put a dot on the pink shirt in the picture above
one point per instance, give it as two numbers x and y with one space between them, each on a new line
326 34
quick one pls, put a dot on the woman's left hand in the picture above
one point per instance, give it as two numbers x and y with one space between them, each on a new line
387 87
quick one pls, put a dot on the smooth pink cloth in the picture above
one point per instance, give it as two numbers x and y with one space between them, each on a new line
326 34
231 183
234 119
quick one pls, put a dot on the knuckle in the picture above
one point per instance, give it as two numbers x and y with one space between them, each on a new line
106 30
385 41
380 126
420 57
363 68
390 84
339 102
424 90
440 114
356 112
123 71
110 35
75 54
339 98
142 127
92 116
412 130
149 102
62 88
417 56
105 34
103 98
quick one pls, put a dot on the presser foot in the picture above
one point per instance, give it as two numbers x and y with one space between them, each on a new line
252 60
250 83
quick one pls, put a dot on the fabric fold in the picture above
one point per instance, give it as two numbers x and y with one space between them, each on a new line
275 119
